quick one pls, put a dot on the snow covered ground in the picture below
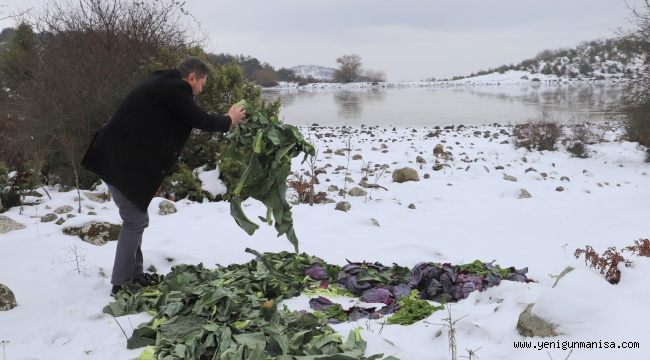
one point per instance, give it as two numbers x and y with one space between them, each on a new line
462 212
511 77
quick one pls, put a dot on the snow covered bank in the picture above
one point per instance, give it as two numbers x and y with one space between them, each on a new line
466 206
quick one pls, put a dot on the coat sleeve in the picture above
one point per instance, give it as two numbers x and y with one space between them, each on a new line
182 105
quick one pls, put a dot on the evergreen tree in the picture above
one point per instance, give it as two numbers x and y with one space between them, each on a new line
17 63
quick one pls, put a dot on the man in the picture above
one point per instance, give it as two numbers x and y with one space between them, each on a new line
137 148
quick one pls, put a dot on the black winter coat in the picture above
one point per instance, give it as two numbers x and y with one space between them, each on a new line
136 149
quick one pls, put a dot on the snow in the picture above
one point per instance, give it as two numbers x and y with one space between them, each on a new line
511 77
465 211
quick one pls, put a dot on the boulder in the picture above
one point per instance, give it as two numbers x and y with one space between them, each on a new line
166 207
509 178
96 233
405 174
49 217
524 194
7 225
63 209
7 298
357 157
333 188
531 325
101 197
357 191
343 206
439 150
420 160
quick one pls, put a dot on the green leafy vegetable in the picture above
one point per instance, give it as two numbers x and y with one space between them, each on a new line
256 161
412 309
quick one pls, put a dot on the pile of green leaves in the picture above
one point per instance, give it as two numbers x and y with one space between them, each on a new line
256 161
231 313
412 309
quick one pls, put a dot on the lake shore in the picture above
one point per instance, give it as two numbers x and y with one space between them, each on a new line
467 204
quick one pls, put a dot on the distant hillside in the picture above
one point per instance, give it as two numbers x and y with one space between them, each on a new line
594 60
314 71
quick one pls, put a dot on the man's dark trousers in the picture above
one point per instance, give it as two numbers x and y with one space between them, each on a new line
128 256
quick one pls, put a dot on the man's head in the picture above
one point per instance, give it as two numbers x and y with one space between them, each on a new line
195 72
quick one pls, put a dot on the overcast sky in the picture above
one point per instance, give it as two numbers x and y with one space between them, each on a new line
407 39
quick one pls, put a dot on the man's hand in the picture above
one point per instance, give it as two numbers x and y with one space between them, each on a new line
237 114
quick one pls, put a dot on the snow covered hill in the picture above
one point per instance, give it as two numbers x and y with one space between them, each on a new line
314 71
594 60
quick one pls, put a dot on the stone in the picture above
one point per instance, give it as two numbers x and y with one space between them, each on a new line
49 218
405 174
166 207
92 213
7 298
559 189
96 233
333 188
426 176
63 209
374 222
7 224
343 206
439 150
565 178
411 206
567 270
60 221
357 157
531 325
509 178
101 197
340 152
524 194
357 191
420 160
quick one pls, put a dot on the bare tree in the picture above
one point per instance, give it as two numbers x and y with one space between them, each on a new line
89 55
349 68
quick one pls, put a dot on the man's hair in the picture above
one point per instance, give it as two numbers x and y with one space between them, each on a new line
193 65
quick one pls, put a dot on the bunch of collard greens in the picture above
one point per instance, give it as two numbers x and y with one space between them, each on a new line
232 312
255 162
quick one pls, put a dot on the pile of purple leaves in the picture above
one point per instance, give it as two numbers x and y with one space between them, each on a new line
376 283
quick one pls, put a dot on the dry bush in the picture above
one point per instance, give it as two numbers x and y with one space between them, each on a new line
607 263
305 192
641 247
540 134
89 54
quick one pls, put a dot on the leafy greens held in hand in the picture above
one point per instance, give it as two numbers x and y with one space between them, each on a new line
256 161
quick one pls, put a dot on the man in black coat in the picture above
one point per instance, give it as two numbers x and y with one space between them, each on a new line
137 148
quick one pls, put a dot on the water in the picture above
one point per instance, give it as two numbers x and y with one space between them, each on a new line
503 104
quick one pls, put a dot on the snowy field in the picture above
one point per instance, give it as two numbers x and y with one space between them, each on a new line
463 211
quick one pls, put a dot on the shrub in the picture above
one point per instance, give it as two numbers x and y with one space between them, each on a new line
541 134
641 247
305 192
607 263
183 183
